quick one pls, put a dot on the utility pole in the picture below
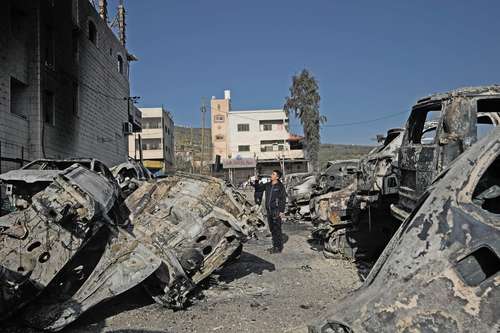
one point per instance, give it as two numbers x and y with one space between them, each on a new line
191 148
203 109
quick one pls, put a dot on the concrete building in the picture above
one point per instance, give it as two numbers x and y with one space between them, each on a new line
254 141
156 139
64 83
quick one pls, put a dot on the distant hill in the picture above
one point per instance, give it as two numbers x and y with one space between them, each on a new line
329 152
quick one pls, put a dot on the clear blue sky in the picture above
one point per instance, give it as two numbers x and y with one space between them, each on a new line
371 58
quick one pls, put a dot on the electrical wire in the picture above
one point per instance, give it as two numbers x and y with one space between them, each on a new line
368 121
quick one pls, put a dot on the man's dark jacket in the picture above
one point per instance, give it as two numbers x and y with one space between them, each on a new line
275 198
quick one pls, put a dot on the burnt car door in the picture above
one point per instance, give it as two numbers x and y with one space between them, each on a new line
417 154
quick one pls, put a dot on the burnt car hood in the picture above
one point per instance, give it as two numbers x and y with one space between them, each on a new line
29 176
422 280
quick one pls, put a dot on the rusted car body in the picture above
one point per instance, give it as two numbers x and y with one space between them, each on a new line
78 243
440 271
338 174
462 116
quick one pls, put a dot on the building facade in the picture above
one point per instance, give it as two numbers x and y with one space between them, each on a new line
64 84
156 140
254 141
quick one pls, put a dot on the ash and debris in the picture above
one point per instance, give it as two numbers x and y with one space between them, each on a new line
258 292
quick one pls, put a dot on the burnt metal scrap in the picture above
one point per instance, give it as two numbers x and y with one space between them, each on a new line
443 263
352 222
337 175
130 174
77 243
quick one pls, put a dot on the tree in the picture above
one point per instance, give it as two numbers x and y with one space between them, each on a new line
303 102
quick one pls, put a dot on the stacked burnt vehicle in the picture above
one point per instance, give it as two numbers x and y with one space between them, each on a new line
440 270
305 187
359 220
72 239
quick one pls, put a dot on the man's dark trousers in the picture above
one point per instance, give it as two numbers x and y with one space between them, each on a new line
274 221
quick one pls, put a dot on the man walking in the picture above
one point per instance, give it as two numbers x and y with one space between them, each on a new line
275 207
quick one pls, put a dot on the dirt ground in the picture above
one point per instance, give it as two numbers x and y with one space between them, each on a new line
259 292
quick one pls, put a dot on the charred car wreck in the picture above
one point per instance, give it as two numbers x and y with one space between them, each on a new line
352 222
443 263
337 175
77 243
462 116
392 178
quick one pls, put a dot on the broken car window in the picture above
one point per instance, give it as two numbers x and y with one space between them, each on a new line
419 133
487 192
484 126
484 121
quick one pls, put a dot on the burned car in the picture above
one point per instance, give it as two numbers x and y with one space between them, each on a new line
440 271
20 185
462 116
292 179
338 174
130 174
298 197
302 192
353 222
78 243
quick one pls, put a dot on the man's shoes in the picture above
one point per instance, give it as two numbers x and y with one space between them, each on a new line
273 250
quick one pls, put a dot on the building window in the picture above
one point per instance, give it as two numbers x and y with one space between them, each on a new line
219 118
219 137
151 144
243 127
243 148
120 64
218 107
48 107
272 145
92 33
18 97
151 123
48 56
269 125
75 98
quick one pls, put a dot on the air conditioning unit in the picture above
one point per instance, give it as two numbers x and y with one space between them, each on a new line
127 128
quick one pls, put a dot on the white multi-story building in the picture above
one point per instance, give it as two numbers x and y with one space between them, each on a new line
260 134
254 141
156 139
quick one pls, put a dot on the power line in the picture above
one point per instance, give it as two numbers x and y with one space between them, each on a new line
391 115
366 121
